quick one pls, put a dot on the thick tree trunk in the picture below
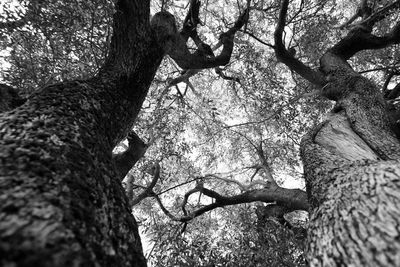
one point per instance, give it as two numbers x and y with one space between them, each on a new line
9 98
61 202
353 179
351 162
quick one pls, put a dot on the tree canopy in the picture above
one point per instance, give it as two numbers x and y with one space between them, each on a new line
220 129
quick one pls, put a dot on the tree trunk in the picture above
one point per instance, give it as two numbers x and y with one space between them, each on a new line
353 179
9 98
61 202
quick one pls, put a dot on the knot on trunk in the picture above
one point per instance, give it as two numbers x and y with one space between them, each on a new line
164 28
339 83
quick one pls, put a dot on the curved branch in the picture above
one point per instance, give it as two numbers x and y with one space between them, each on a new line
189 28
286 57
363 11
380 14
181 184
203 58
225 77
166 212
258 39
358 39
186 197
183 78
191 20
149 190
127 159
291 199
264 163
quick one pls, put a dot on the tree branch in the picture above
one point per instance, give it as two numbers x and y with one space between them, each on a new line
380 14
165 210
286 57
358 39
203 57
149 190
127 159
183 78
191 19
292 199
363 11
225 77
264 164
345 85
258 39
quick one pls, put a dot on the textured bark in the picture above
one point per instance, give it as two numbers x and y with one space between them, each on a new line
126 160
353 179
9 98
61 202
351 161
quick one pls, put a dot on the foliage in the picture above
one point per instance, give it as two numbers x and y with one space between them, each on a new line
233 237
56 40
209 124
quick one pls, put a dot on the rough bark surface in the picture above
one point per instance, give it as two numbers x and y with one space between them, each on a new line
126 160
61 202
350 161
353 179
9 98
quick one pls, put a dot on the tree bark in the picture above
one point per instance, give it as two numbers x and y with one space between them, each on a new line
353 179
61 202
351 161
9 98
125 161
